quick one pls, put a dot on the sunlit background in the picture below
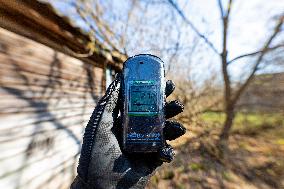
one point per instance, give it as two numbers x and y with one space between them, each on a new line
226 57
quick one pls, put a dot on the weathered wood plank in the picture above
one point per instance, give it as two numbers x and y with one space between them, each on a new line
18 65
25 93
20 120
33 110
46 99
45 128
19 147
39 172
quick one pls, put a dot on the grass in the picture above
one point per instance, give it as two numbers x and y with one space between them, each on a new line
254 119
246 123
196 166
255 157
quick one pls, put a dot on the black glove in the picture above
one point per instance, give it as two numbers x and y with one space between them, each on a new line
103 164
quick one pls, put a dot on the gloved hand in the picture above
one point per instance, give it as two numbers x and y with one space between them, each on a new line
103 164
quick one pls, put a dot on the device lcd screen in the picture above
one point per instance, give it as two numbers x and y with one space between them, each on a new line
143 97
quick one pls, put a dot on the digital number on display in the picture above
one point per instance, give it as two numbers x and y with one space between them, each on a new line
143 97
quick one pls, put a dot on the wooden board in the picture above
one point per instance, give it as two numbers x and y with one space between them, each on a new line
46 99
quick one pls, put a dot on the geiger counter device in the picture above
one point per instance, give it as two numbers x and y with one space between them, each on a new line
143 90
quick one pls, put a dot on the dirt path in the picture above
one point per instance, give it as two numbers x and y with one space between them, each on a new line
253 161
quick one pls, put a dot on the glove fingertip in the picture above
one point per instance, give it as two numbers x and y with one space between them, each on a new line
173 130
170 87
173 108
166 154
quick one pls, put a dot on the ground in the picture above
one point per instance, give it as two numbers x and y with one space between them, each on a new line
255 158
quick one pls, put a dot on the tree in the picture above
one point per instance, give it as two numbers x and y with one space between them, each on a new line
151 26
232 94
231 97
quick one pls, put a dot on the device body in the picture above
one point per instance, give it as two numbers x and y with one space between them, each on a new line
143 89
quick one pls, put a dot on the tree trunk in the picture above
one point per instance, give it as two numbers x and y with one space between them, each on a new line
230 115
222 144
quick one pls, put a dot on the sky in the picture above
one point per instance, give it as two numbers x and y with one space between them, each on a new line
250 25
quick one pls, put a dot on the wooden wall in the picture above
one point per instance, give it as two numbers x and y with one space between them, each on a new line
46 99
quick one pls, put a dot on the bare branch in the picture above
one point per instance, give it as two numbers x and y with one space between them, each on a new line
223 15
123 40
255 53
221 8
229 8
224 54
265 48
176 49
209 43
102 30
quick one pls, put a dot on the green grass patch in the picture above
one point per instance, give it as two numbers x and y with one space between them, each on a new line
246 123
213 117
196 166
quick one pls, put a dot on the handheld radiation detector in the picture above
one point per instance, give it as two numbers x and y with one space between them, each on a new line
144 99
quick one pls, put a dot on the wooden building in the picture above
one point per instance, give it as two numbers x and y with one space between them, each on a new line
51 76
